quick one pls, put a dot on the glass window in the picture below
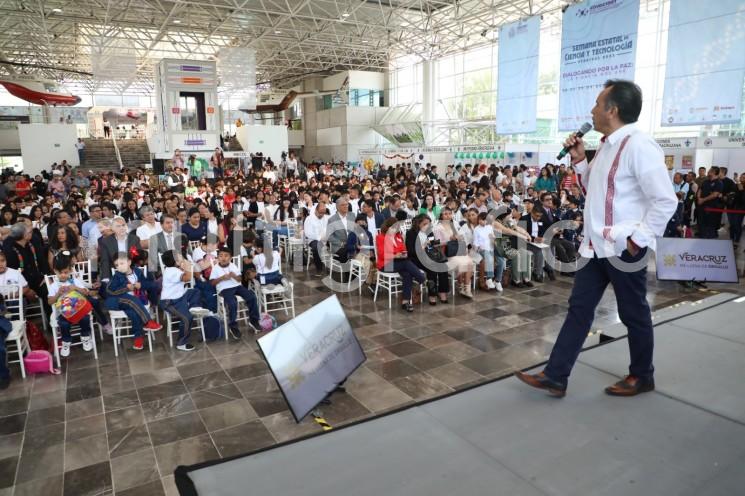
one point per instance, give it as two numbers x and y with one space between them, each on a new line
188 106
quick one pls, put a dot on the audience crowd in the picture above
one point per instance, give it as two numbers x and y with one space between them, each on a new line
221 229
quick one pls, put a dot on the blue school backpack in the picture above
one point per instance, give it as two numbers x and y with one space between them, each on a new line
213 329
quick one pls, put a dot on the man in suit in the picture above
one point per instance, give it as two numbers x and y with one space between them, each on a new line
110 246
167 239
393 205
564 249
339 226
536 223
374 219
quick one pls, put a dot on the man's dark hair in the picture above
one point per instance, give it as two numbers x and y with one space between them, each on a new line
627 97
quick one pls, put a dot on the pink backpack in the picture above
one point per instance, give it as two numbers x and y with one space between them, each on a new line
40 362
267 322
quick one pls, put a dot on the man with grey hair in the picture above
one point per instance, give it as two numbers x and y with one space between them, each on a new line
149 227
21 256
109 247
338 228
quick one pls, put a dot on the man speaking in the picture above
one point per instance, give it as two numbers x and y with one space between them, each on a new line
628 203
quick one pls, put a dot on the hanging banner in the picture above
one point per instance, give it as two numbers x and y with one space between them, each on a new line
598 42
705 63
517 87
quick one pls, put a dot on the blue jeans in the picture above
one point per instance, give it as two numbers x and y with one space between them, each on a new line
631 291
500 266
276 232
488 257
179 309
65 325
232 304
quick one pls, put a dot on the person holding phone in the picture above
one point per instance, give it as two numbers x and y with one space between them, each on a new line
392 256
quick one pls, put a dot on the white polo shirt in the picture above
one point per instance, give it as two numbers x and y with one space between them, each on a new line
219 271
173 286
13 277
146 231
72 281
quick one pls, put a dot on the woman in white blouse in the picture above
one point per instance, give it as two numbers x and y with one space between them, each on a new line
446 231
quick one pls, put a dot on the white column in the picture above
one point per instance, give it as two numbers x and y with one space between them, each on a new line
428 99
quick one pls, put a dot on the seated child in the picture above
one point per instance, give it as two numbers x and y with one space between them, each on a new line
176 299
65 283
124 293
226 278
247 248
204 257
267 266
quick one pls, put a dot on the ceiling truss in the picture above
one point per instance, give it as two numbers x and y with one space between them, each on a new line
292 38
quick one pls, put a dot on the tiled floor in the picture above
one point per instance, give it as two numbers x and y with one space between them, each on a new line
122 425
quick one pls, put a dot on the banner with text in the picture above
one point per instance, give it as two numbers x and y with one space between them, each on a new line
685 259
705 63
518 76
598 42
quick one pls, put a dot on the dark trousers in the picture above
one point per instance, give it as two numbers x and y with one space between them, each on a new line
5 329
711 221
133 308
316 256
564 249
232 304
631 291
209 296
179 309
439 280
735 226
408 272
65 325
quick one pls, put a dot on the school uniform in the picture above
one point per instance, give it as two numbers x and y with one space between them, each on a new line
177 300
229 289
119 298
268 270
64 324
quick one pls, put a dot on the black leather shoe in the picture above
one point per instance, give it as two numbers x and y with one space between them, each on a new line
551 275
630 386
540 381
408 307
529 284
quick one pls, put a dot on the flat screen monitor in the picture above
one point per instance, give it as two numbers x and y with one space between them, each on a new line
312 354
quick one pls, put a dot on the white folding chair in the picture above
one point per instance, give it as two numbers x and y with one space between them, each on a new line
82 270
16 342
241 305
276 297
391 282
171 327
356 271
121 326
74 329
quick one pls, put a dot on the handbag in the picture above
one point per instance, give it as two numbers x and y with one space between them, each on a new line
73 306
435 254
451 248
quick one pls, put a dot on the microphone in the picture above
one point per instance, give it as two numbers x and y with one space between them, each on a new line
586 128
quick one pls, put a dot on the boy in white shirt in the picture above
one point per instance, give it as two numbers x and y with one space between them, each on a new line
483 240
176 299
226 278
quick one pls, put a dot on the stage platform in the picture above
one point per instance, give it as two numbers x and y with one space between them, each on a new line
504 438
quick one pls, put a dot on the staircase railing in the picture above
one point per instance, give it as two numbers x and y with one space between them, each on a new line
116 149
